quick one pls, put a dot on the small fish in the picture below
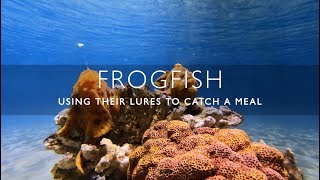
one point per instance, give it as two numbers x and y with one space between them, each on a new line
93 120
80 45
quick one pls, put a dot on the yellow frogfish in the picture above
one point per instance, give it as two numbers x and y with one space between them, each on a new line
183 88
92 120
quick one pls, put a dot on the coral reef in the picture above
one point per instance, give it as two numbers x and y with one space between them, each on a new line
96 140
176 88
127 127
107 159
172 150
79 126
132 121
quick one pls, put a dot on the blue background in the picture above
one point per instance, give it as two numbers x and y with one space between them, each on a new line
160 32
279 37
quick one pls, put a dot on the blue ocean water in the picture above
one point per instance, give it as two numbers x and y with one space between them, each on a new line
40 34
160 32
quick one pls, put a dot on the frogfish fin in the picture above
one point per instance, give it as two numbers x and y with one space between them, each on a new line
100 124
66 129
79 162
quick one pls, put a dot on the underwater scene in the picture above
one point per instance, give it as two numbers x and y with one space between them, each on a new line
177 90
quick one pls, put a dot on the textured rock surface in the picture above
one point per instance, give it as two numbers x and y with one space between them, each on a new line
171 150
213 117
61 145
290 164
106 160
67 161
61 118
130 123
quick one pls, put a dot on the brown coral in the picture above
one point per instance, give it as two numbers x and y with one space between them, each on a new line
171 150
178 88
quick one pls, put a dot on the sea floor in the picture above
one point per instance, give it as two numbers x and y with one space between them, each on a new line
24 157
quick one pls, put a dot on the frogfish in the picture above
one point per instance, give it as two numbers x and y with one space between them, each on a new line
92 120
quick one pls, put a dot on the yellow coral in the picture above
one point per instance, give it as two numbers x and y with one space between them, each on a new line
178 130
216 178
236 139
236 170
206 130
136 154
270 157
191 142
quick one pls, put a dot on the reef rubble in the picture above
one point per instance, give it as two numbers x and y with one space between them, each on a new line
160 141
105 160
214 117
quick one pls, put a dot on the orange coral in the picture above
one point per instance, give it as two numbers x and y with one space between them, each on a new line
236 139
236 170
159 130
216 178
178 130
270 157
272 174
206 130
179 89
177 152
